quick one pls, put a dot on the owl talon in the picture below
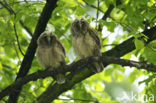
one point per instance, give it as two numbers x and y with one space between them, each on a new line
96 70
97 67
60 79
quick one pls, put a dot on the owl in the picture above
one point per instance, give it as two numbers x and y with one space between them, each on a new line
86 42
51 54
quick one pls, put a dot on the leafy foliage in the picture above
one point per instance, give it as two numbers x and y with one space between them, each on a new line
128 19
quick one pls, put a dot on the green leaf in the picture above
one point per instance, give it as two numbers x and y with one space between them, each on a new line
138 44
80 93
80 11
90 1
150 53
1 66
110 25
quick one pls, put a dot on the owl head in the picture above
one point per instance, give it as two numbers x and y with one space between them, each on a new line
79 27
46 39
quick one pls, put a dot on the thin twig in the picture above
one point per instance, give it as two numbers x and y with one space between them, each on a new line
92 6
16 52
26 28
150 78
17 2
17 39
106 15
7 7
11 11
7 66
97 14
25 1
109 45
84 100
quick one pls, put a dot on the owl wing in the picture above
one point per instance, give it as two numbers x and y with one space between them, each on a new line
93 33
61 47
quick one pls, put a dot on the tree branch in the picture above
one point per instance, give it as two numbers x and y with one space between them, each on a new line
54 91
26 28
107 13
5 5
27 61
122 49
11 11
74 67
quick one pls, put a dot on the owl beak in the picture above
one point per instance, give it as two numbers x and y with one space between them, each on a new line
49 40
80 25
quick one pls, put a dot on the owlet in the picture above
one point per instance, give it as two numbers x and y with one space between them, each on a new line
51 54
86 42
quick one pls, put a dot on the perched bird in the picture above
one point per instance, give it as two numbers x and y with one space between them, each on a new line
86 42
51 54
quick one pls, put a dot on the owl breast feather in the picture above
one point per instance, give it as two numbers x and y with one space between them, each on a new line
84 45
49 57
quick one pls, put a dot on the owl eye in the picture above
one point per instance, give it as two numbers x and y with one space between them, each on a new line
53 37
77 26
45 38
83 22
76 22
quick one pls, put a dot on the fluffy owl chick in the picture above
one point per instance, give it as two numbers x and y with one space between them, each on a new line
86 42
51 54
